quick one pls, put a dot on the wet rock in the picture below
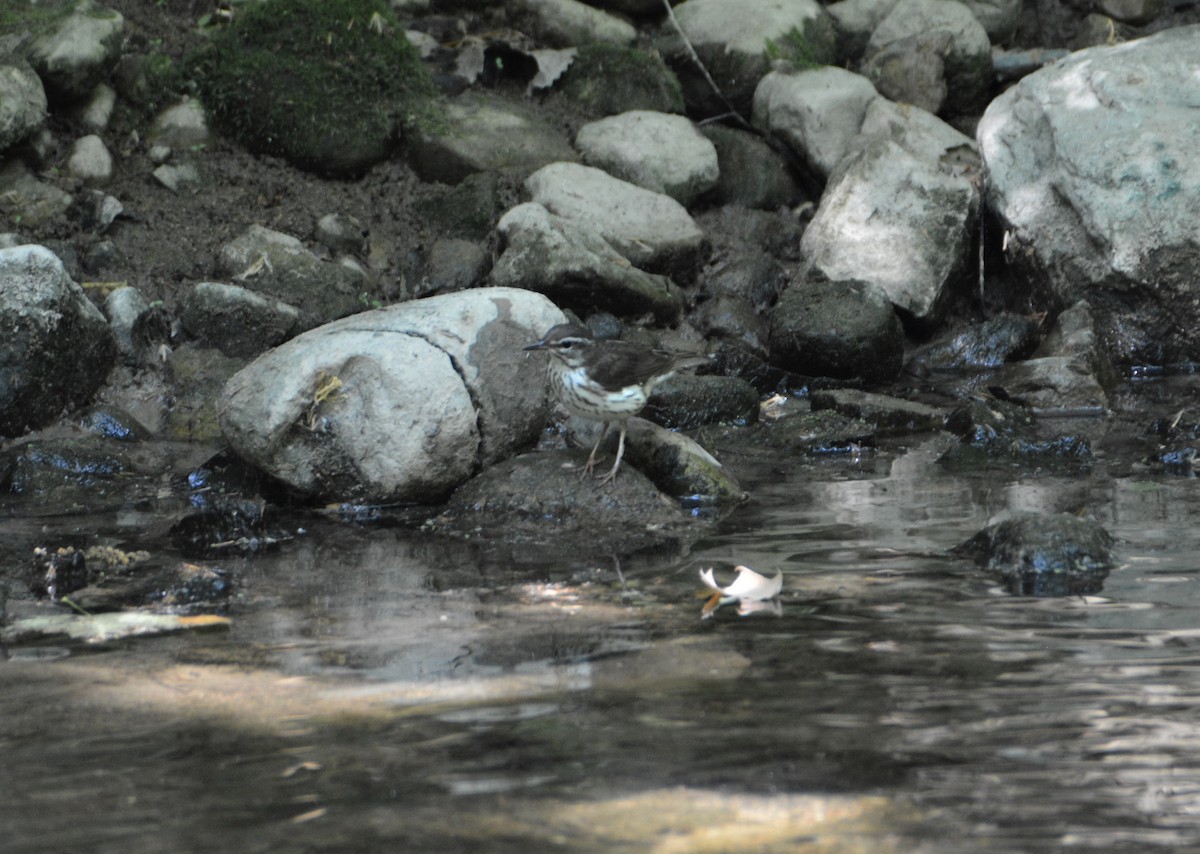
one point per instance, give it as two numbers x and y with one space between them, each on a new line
539 501
968 59
1040 554
22 101
576 267
733 318
736 43
399 404
817 112
657 151
58 346
845 330
79 50
916 246
816 433
1003 434
1092 193
892 416
678 465
485 135
110 422
236 321
751 172
57 475
685 401
227 525
605 79
1068 373
652 230
1003 338
278 266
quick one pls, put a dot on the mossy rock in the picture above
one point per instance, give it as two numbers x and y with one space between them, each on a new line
607 79
325 84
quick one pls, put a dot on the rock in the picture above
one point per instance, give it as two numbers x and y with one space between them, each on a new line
1002 434
657 151
452 265
892 416
653 231
1044 554
341 234
1136 12
137 326
1004 338
853 23
735 230
916 245
1069 372
912 70
750 275
180 127
576 267
818 113
685 401
606 79
81 49
181 178
567 23
485 134
678 465
399 404
814 433
1093 193
236 321
968 62
750 172
197 376
840 329
737 42
923 135
58 475
90 161
999 17
538 501
330 90
95 113
732 317
57 348
278 266
22 101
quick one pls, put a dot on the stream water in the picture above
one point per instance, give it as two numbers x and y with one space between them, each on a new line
381 690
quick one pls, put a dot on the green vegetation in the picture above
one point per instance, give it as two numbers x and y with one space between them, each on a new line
323 83
794 47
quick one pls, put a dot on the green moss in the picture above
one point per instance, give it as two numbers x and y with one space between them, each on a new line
313 80
36 19
796 48
607 78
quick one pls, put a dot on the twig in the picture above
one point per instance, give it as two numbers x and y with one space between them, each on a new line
696 59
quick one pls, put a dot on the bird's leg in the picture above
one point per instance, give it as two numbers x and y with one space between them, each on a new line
612 473
591 460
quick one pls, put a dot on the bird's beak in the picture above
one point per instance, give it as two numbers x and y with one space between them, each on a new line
536 345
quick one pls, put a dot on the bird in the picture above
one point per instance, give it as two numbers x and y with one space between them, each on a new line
606 380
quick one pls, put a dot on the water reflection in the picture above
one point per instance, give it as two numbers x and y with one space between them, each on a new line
382 690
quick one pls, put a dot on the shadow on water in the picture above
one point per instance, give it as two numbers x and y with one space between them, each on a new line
381 690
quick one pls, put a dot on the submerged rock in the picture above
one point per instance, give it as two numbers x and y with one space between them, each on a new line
1039 554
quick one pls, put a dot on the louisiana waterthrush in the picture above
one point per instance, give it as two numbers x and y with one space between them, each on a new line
605 380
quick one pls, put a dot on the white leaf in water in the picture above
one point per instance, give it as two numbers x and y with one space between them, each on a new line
749 584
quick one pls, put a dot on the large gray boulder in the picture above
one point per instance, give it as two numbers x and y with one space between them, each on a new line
1091 168
399 404
80 51
57 347
22 101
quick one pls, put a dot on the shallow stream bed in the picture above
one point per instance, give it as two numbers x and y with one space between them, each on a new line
379 689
